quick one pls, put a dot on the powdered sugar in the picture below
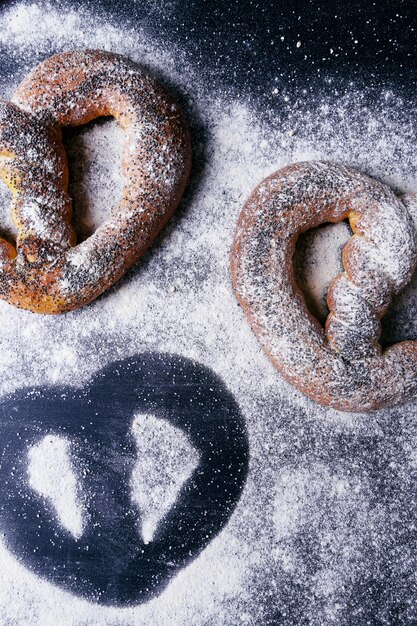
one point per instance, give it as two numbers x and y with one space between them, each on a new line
316 264
323 559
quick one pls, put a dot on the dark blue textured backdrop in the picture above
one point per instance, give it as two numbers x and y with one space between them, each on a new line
240 42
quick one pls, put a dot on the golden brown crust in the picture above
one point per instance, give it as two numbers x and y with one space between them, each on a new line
342 365
50 274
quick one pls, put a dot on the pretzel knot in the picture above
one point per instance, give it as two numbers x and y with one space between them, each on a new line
341 365
47 272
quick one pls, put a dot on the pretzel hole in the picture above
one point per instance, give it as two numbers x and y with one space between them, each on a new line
94 153
8 230
400 321
317 260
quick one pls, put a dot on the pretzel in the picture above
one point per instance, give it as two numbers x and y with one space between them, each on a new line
49 273
341 365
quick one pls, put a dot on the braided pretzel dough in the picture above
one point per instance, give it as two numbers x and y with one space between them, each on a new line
342 365
50 274
33 165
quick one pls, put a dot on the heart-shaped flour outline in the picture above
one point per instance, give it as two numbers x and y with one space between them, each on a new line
110 564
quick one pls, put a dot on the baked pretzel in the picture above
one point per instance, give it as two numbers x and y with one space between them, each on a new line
341 365
50 274
33 166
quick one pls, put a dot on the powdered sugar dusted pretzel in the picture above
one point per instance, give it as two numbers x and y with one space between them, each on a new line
70 89
342 365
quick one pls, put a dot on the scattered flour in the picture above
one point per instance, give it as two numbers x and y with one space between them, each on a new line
89 161
166 460
51 475
323 533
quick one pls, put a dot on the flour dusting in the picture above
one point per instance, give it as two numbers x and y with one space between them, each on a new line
166 460
324 532
52 476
